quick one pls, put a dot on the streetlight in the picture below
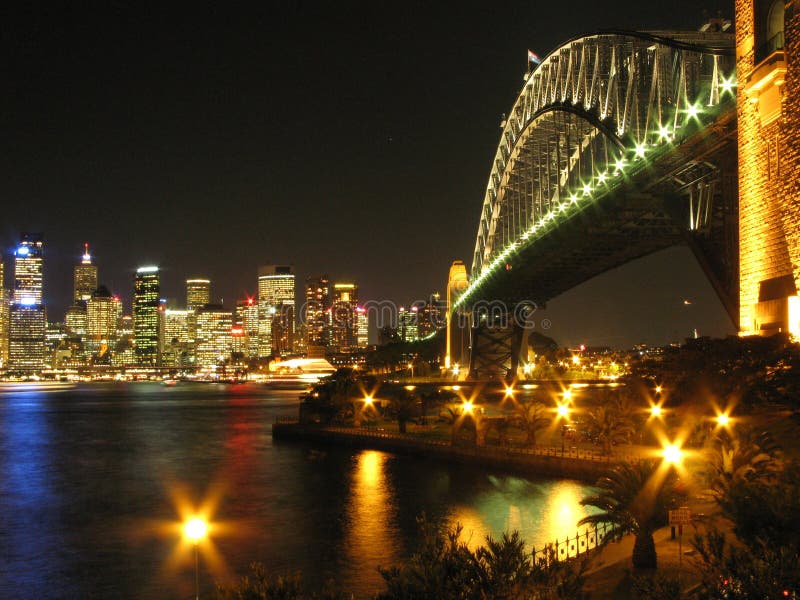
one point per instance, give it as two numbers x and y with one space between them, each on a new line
656 411
467 407
567 395
672 454
509 391
195 530
723 419
368 400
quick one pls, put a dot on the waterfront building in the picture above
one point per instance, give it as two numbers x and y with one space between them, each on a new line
75 320
5 306
317 315
275 302
198 293
343 320
213 341
27 317
146 316
246 318
103 311
84 277
178 349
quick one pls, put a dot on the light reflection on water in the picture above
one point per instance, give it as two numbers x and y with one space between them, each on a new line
83 472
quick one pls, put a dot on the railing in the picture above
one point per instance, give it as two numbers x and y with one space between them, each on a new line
773 44
370 432
583 542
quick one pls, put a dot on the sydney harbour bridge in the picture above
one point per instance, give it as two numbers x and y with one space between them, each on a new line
620 144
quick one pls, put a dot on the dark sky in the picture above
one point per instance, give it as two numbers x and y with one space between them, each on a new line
347 138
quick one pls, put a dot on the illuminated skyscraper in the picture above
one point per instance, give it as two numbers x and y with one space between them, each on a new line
146 304
317 315
275 301
85 277
408 324
431 315
28 271
5 302
178 345
362 327
103 312
343 319
75 320
198 293
246 319
213 341
27 322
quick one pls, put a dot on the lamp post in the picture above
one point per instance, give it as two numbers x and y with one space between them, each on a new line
196 529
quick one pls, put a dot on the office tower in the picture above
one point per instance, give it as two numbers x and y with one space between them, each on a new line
103 311
246 318
275 302
198 293
178 345
317 315
27 319
146 304
431 315
28 270
75 320
213 342
343 321
362 327
407 324
5 305
85 277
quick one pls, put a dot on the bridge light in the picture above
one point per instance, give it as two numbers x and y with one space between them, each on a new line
640 150
728 85
587 189
601 178
619 164
573 198
692 111
663 133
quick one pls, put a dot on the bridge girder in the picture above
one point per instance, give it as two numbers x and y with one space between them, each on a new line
634 129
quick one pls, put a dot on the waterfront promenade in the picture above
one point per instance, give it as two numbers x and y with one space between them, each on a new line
542 460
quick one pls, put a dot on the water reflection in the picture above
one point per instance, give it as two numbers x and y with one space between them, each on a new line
541 512
371 525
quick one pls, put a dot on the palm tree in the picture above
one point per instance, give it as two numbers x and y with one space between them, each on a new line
748 456
634 498
403 406
531 417
610 424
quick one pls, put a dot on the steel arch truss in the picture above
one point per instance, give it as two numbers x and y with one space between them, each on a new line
594 112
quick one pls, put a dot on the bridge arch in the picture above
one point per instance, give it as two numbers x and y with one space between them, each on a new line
596 111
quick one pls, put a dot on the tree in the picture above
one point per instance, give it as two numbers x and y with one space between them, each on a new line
634 498
531 417
403 405
445 568
610 424
747 456
431 396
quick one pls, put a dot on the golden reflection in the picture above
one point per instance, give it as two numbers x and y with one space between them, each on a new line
371 525
475 528
563 511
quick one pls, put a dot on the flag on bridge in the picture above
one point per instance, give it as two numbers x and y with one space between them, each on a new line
534 58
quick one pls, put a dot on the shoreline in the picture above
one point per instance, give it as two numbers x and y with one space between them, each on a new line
541 462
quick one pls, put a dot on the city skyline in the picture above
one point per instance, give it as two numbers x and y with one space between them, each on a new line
403 107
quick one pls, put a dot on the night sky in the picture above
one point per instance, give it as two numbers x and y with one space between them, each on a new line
353 139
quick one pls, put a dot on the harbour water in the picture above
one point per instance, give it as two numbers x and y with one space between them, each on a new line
95 479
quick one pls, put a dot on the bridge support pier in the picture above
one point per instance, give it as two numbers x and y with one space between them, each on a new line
496 348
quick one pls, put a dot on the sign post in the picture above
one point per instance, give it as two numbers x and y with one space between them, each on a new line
680 517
